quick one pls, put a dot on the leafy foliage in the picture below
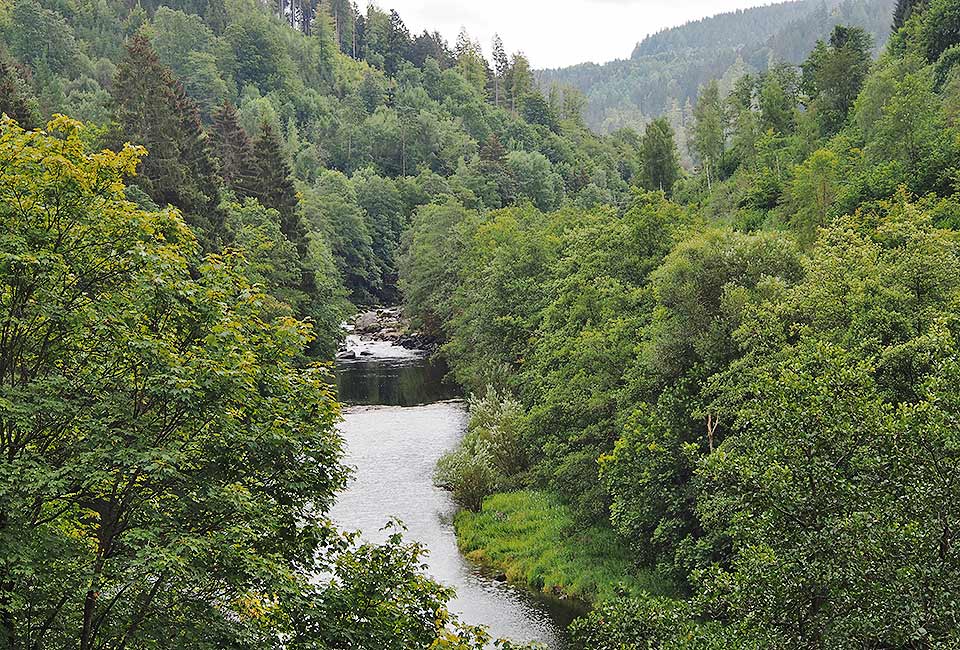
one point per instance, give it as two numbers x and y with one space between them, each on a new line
747 382
490 456
738 379
167 465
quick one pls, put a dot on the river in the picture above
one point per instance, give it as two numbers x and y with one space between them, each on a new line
400 419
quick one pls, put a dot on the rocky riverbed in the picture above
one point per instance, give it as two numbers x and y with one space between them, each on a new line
385 324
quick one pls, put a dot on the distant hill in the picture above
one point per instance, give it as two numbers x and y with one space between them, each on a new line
666 69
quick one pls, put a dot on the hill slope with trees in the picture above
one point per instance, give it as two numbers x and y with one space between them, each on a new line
738 382
665 72
749 374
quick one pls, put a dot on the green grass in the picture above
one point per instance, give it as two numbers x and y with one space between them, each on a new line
533 539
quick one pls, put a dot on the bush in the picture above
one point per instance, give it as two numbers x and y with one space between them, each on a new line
490 457
656 622
469 474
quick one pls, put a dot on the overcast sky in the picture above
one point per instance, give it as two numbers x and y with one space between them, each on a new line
554 33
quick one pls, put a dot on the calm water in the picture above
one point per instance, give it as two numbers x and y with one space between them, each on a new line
387 375
402 420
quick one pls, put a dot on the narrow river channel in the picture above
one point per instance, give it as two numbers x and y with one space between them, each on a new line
399 420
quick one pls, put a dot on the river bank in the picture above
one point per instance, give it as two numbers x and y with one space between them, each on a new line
532 540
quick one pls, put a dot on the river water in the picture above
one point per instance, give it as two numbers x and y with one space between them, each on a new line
400 419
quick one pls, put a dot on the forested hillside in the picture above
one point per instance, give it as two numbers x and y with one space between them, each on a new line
344 130
664 74
212 192
719 405
750 375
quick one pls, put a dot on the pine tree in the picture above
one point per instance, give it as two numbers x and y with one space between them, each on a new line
152 109
276 189
238 164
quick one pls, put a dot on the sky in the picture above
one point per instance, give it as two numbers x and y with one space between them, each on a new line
555 33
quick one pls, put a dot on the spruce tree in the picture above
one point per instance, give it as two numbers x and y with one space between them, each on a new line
903 11
153 110
276 188
203 187
501 66
15 99
232 145
398 44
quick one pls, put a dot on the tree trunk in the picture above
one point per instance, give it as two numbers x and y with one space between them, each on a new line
712 424
7 624
90 606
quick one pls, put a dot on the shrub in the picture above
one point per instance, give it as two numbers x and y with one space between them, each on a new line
490 457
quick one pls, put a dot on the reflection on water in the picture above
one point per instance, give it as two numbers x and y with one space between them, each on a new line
385 374
393 382
402 421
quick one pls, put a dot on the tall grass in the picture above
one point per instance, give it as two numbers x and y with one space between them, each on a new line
533 539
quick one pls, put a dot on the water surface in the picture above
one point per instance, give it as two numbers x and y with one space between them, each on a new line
401 421
387 375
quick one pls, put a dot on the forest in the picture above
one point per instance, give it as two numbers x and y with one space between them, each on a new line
664 73
719 368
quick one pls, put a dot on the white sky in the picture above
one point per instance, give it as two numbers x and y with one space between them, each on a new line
554 33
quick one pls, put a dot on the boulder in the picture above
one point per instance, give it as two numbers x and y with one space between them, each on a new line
367 322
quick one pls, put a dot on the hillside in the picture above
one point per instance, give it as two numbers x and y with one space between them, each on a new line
719 403
666 69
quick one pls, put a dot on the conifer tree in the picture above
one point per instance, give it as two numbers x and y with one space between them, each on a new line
238 164
203 186
501 66
903 11
398 43
276 188
15 99
153 110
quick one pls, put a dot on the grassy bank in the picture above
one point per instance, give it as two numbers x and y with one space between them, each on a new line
532 538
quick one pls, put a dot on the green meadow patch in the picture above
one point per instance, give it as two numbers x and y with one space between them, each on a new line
533 539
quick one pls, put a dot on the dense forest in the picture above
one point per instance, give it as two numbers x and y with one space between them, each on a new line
177 257
751 373
741 378
666 70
